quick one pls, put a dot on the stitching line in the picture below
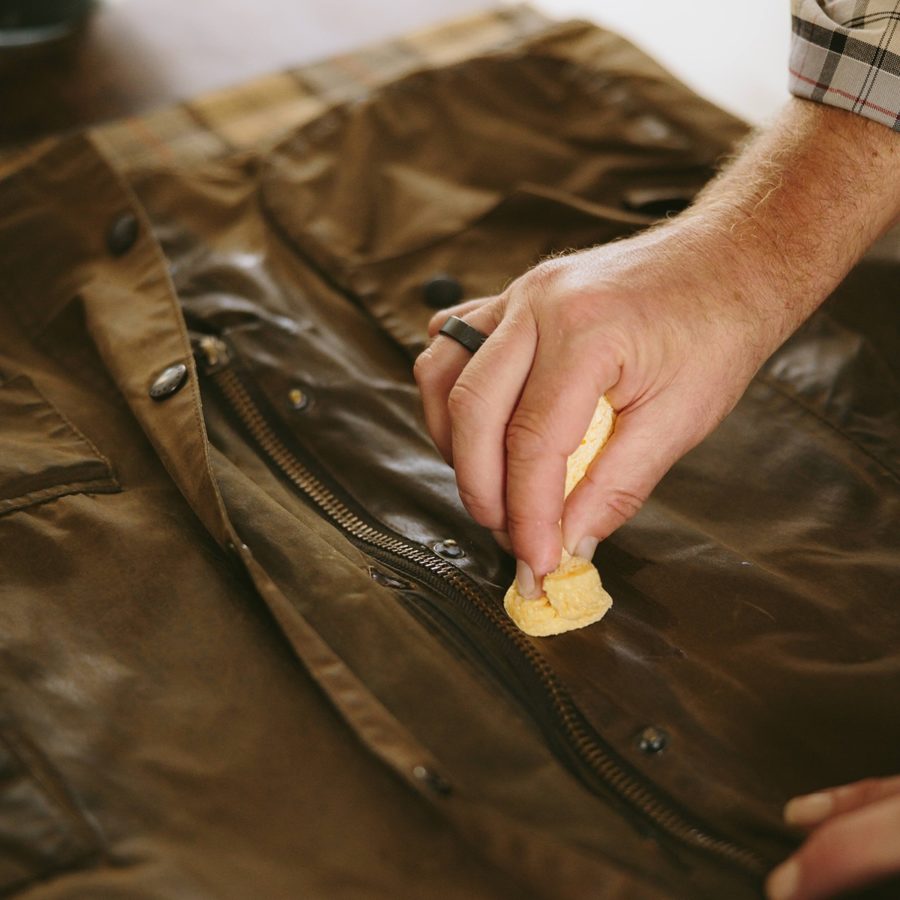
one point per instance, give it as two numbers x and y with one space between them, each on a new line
779 387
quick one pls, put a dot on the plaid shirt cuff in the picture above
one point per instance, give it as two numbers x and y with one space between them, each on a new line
846 53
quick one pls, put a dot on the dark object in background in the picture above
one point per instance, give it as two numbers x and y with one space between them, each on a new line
54 73
26 23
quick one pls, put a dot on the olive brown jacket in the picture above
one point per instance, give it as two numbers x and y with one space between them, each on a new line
251 645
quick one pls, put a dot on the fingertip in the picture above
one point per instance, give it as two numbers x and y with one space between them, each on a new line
527 584
586 547
808 810
592 518
783 882
436 322
538 547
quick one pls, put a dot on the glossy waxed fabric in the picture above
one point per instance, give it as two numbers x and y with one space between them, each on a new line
209 691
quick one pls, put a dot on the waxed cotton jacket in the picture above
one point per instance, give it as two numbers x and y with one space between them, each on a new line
251 644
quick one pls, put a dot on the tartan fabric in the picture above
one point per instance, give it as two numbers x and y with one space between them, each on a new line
846 53
258 111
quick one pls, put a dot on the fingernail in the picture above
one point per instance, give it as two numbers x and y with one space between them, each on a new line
782 884
502 538
586 547
525 581
809 809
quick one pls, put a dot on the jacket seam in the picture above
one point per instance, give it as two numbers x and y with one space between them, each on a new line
108 485
782 389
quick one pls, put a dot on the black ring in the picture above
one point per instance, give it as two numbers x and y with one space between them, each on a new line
463 333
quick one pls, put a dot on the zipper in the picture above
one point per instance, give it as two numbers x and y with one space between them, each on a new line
596 764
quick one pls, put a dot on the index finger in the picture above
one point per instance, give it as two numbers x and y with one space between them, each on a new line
552 415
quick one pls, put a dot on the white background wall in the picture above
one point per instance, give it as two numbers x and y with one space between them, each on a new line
732 51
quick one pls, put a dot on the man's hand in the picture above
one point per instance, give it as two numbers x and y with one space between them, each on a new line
671 325
854 841
637 320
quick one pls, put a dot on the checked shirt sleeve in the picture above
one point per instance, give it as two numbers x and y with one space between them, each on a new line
846 53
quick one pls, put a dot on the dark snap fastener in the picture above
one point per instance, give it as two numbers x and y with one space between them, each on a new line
442 291
652 740
122 234
431 779
168 381
449 549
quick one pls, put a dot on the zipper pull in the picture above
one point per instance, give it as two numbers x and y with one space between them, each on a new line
211 353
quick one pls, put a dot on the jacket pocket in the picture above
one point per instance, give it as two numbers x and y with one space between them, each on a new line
529 224
477 258
42 454
476 172
42 830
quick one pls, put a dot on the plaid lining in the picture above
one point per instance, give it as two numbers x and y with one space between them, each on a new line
853 63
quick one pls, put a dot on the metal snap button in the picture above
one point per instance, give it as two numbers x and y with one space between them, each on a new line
298 399
432 780
122 234
442 291
168 381
449 549
652 740
388 580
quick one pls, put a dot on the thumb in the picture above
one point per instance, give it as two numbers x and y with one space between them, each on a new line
645 444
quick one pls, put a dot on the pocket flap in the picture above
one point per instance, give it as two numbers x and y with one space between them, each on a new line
42 454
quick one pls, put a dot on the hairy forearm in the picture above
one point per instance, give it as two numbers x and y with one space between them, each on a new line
797 207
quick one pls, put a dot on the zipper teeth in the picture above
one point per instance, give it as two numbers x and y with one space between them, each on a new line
596 758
